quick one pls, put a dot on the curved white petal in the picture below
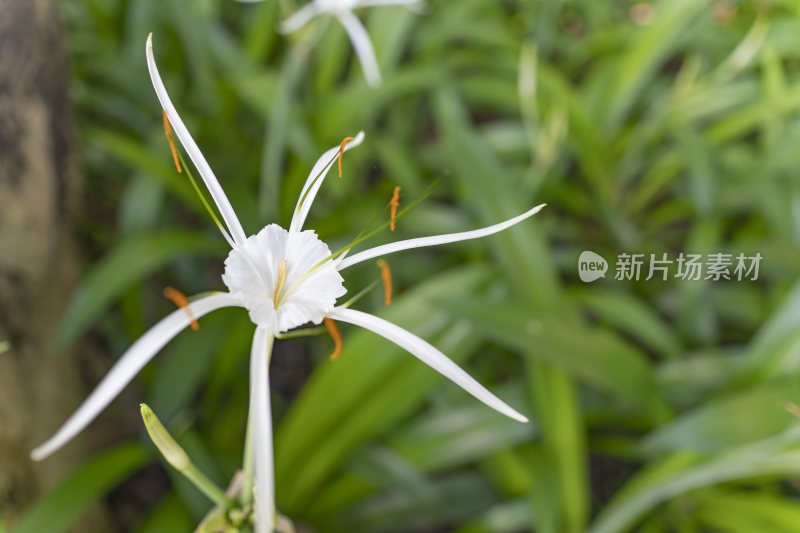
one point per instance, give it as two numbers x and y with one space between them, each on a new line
435 240
262 430
362 45
429 355
300 18
314 182
373 3
129 364
214 188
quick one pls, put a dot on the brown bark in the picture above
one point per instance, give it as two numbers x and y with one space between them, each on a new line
38 263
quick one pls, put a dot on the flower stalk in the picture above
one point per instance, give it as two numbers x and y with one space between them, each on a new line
179 460
248 464
260 485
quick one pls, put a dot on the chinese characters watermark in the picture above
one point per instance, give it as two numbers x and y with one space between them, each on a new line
688 267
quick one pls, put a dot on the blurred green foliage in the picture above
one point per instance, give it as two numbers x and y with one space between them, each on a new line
650 128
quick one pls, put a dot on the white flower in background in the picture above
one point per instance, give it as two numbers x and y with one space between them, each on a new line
284 278
343 11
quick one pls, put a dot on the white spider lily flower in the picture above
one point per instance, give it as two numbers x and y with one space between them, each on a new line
284 279
343 11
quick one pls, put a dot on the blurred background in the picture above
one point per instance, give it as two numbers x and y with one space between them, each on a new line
650 128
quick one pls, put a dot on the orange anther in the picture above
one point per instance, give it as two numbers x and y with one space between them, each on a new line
333 331
341 152
394 203
386 276
168 133
180 300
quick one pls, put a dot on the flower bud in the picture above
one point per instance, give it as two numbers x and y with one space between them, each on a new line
168 447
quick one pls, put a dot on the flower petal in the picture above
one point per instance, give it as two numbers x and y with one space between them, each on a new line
129 364
426 353
300 18
314 182
214 188
310 284
362 45
373 3
262 429
434 240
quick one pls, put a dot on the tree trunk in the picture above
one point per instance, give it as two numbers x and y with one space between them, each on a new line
38 263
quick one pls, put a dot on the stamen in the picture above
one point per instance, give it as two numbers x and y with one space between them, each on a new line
394 203
333 331
180 300
341 152
168 133
386 276
279 285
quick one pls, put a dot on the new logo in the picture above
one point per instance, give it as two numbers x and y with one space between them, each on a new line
591 266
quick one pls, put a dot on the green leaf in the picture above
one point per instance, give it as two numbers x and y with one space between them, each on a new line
507 517
151 163
452 499
169 515
779 456
372 385
646 50
187 361
130 261
558 406
746 511
733 420
630 314
596 356
521 250
59 508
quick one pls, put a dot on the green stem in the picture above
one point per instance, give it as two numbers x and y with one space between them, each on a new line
358 296
207 486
